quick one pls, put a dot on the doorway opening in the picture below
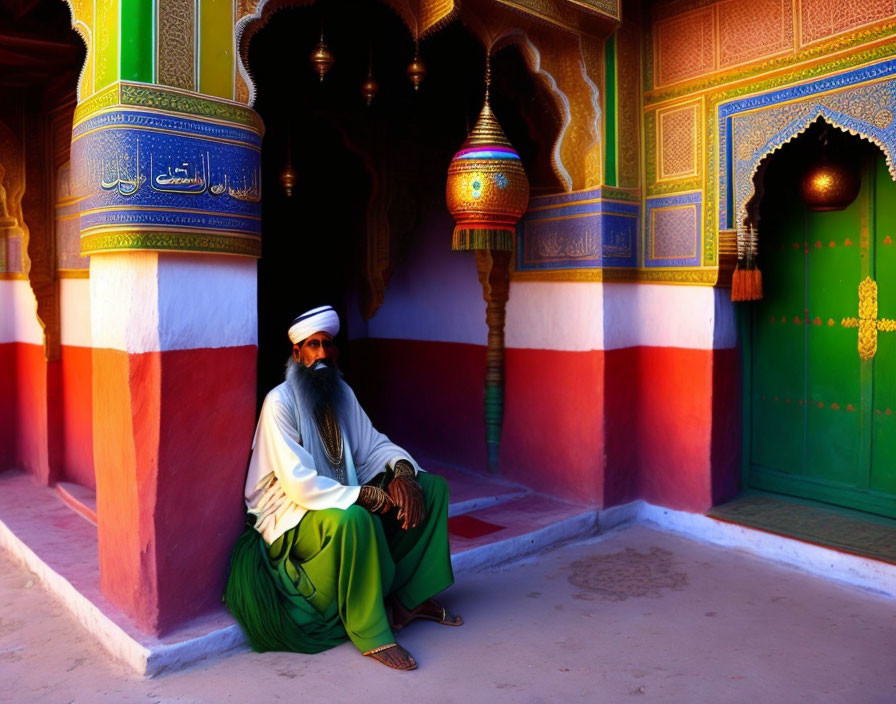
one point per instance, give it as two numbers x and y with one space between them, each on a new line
369 178
819 412
49 394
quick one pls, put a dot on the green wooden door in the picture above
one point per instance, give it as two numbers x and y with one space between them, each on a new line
820 411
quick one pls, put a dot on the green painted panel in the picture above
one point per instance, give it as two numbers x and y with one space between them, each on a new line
835 402
779 345
137 41
822 421
883 438
610 112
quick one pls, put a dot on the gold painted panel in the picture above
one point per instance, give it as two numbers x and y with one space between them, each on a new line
176 43
678 142
628 102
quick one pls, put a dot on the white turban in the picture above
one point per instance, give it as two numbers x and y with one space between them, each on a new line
323 319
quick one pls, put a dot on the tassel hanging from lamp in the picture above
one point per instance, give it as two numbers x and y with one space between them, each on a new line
746 281
487 193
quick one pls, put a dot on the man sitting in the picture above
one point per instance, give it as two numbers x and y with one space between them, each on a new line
347 537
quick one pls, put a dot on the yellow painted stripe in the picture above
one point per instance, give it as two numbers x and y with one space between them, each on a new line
82 13
216 48
106 37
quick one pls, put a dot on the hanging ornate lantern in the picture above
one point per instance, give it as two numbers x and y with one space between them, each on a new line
487 193
487 189
829 184
288 179
322 58
416 69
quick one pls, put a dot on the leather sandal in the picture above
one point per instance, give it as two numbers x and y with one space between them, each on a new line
379 654
398 611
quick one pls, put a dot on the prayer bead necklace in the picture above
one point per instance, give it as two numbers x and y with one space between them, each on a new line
331 439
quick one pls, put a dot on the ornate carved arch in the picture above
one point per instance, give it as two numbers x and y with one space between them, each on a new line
865 110
12 186
533 58
556 61
76 10
421 17
554 58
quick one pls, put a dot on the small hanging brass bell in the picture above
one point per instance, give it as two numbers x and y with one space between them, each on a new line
416 71
322 58
288 178
370 89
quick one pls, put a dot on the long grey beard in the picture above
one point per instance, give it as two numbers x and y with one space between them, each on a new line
321 397
318 388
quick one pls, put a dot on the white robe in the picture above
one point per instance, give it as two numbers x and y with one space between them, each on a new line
283 484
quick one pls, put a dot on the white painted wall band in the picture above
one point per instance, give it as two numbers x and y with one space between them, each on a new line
689 317
565 316
435 296
149 302
18 313
74 312
207 301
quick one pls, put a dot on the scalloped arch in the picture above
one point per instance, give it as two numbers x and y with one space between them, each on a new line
532 56
427 17
866 111
84 32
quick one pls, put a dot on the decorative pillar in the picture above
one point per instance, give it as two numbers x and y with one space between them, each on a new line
170 215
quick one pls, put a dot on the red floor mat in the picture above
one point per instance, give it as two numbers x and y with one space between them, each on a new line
469 527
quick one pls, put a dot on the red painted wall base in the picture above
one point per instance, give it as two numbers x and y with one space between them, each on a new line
173 433
604 428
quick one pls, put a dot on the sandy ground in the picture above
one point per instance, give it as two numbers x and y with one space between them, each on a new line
635 615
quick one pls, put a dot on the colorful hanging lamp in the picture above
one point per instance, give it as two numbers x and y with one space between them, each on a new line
487 193
487 189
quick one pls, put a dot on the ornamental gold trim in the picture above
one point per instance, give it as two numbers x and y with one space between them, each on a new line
173 100
185 242
868 323
106 98
73 273
630 195
809 63
675 276
168 100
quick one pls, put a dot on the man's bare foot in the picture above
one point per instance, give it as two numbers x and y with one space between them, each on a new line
394 656
429 610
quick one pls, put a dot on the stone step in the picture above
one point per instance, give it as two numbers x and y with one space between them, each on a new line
492 521
81 499
512 529
470 491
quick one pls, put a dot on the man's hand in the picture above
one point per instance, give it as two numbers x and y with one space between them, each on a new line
407 496
374 499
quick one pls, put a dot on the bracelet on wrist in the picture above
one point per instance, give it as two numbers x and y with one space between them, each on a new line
403 468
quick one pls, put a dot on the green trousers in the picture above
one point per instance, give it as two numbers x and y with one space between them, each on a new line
327 578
